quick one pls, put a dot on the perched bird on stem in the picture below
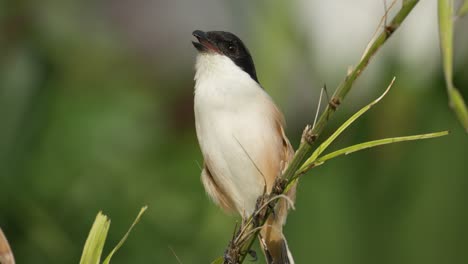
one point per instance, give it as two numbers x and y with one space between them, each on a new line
241 135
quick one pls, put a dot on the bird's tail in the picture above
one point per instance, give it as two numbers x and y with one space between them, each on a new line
273 243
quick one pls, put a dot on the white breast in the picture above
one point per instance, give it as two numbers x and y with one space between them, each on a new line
235 127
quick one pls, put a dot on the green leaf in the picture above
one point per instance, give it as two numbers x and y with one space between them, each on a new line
137 219
456 102
445 10
95 242
345 125
463 9
219 260
375 143
458 105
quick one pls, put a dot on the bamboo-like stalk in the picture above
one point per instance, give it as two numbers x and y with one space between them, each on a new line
236 253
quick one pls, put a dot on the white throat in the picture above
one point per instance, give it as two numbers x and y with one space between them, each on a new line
213 68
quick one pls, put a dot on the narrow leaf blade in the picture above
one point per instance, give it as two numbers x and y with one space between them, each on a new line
345 125
219 260
376 143
117 247
95 242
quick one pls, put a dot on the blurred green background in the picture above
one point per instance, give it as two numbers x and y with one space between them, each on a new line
96 114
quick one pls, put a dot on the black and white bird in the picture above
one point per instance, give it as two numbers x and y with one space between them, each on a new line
241 134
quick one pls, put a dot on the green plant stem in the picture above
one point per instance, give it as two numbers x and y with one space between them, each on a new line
340 130
310 134
463 9
446 17
346 85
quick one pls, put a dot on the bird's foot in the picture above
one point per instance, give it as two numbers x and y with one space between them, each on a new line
262 206
280 185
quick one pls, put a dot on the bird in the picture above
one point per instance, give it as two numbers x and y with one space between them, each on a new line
241 135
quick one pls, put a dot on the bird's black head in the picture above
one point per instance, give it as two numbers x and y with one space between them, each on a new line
227 44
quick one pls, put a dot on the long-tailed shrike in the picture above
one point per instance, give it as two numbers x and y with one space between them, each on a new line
241 135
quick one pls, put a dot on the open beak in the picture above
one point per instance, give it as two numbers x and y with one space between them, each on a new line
203 44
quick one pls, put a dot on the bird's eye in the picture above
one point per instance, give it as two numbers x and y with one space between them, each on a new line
231 48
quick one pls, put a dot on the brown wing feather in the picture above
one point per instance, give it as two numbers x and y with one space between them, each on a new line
6 256
272 233
215 191
286 155
287 151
